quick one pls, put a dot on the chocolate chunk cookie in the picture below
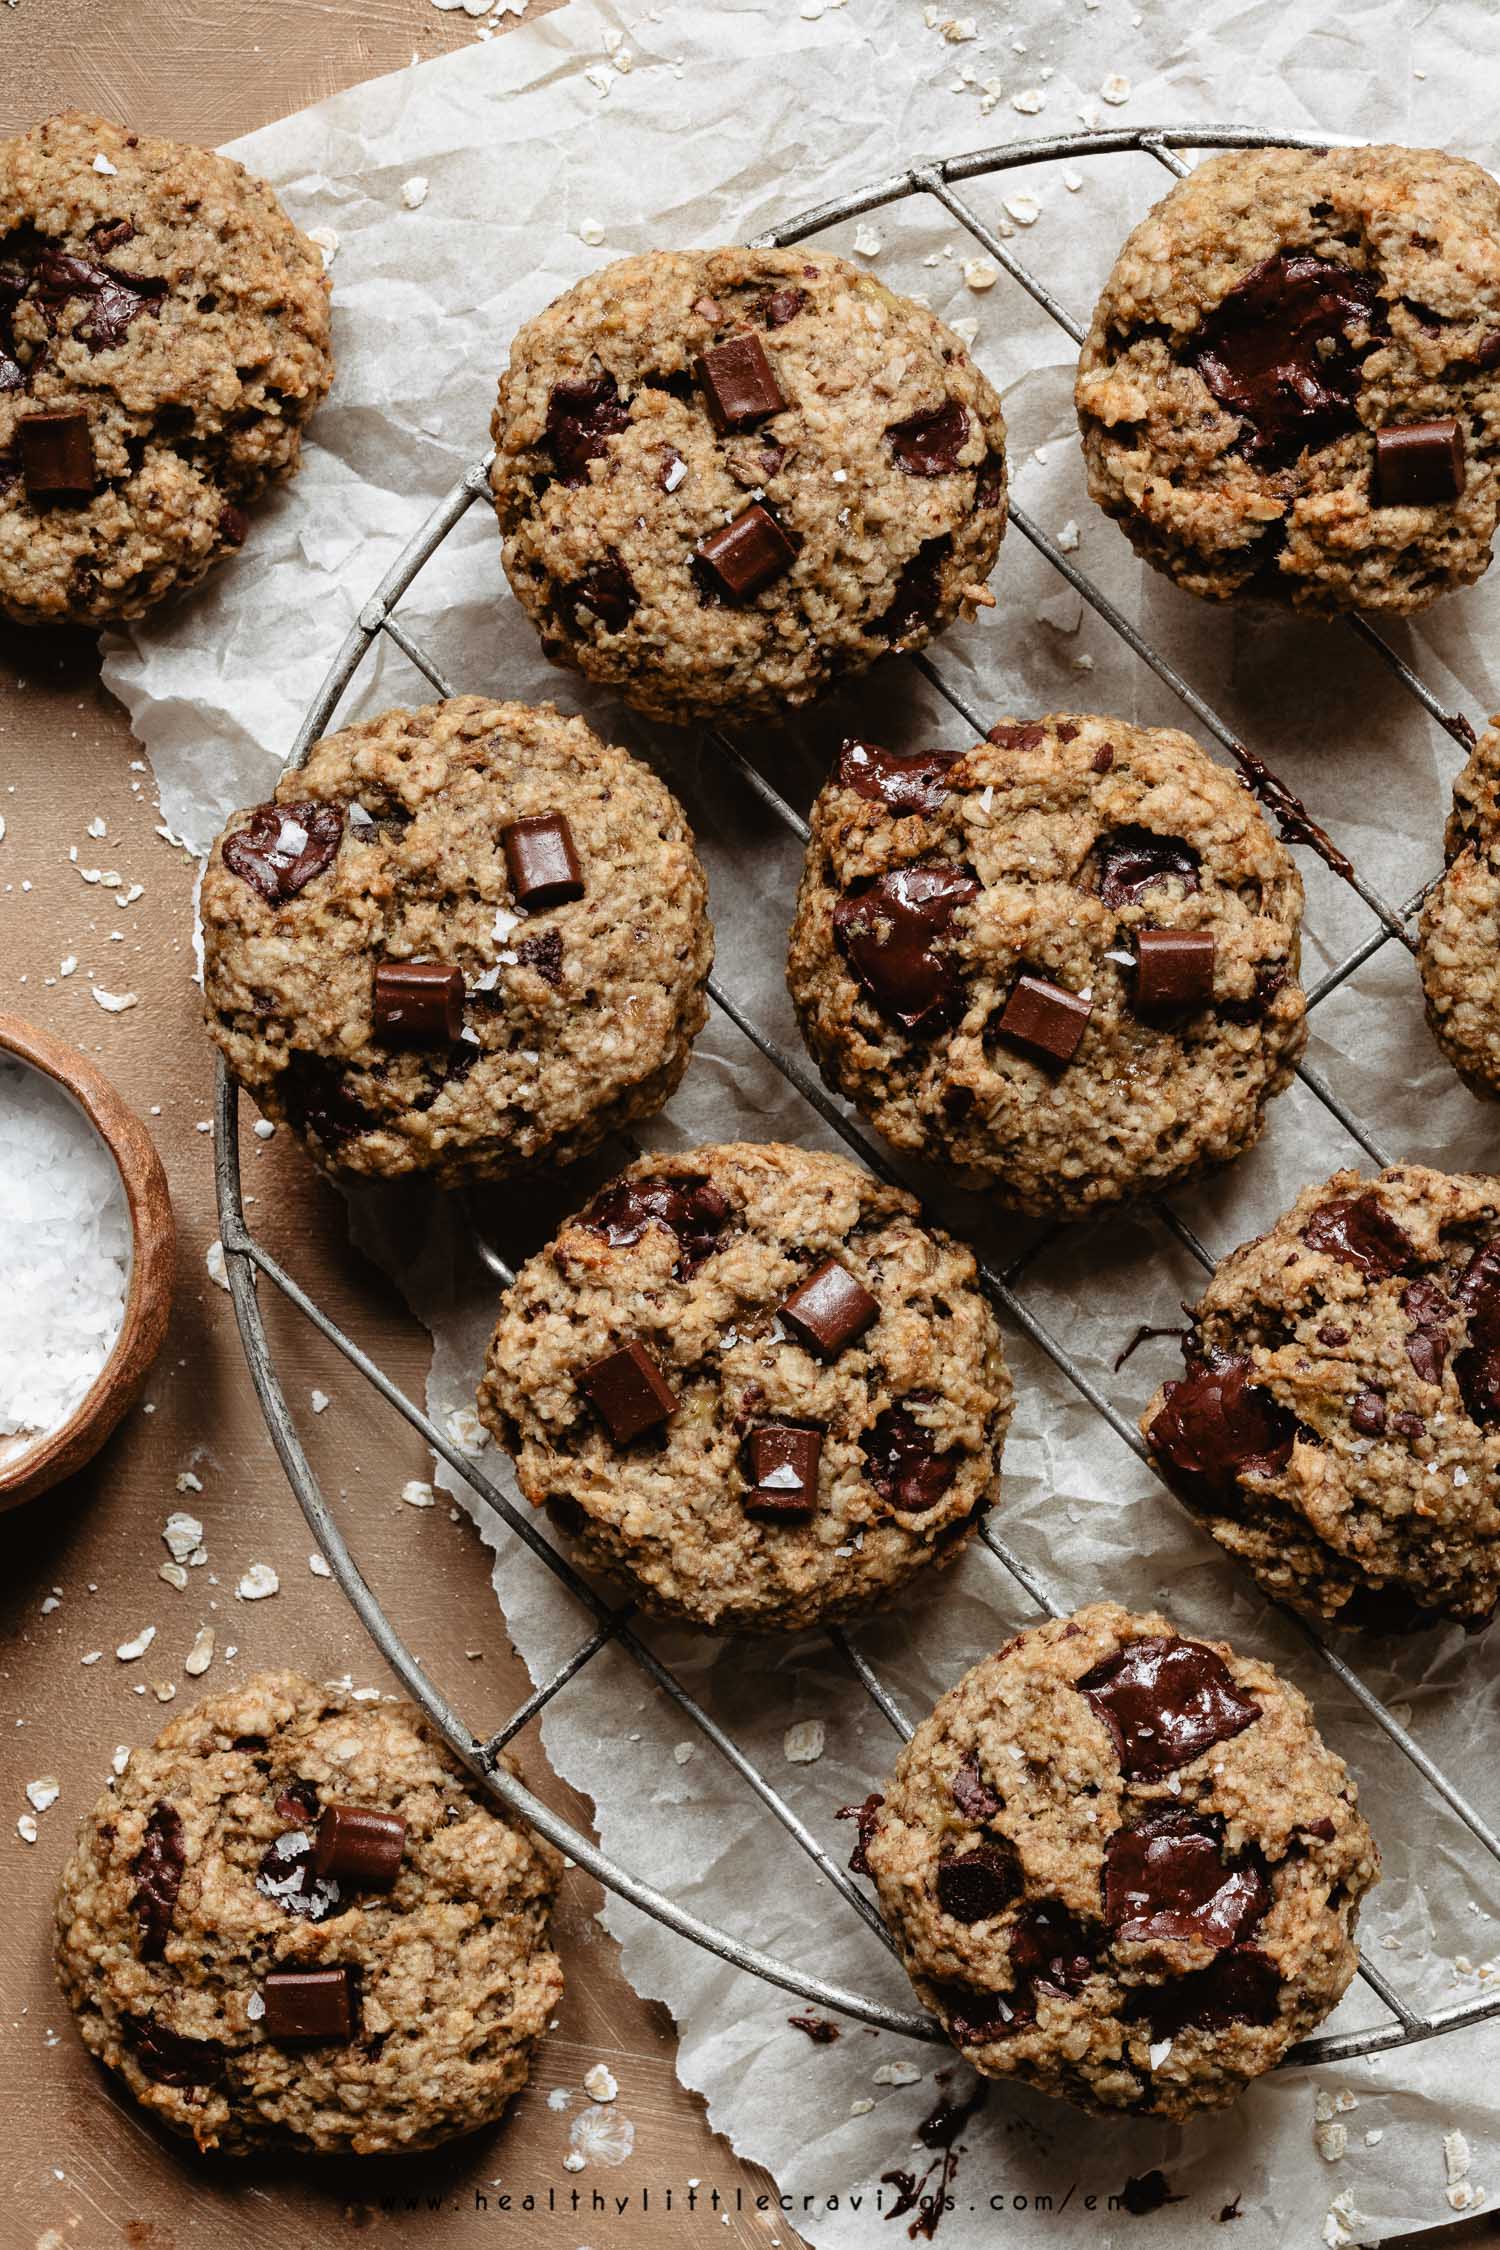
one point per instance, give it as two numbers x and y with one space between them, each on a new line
1064 961
1291 388
750 1384
164 335
293 1922
1122 1866
1459 943
462 940
1338 1426
726 478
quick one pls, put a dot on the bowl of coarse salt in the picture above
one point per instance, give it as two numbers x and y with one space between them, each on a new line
87 1259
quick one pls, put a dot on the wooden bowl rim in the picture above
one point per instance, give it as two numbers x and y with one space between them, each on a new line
153 1265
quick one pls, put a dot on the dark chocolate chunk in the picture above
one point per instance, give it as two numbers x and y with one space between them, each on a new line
157 1868
1282 350
1477 1367
1174 971
1332 1335
746 556
975 1886
108 234
1368 1414
913 781
1043 1020
543 951
977 2019
928 445
989 485
297 1802
781 1469
307 2007
1132 861
1408 1425
1165 1878
1048 1947
359 1847
417 1003
286 1874
972 1794
233 524
739 384
778 306
1241 1986
1103 758
168 2059
1165 1700
918 591
318 1099
1270 976
1012 734
1215 1425
893 933
628 1392
867 1817
1322 1830
114 298
830 1310
1429 1312
580 417
695 1211
57 456
282 847
541 861
607 590
1419 465
903 1465
1359 1230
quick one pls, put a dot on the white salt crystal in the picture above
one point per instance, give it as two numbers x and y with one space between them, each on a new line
590 231
320 1402
66 1227
318 1567
103 166
1157 2054
867 242
26 1828
121 1757
1024 209
113 1003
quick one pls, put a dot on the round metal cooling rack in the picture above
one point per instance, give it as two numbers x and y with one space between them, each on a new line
247 1259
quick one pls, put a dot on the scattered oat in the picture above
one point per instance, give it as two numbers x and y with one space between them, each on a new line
1028 101
1115 90
417 1493
1067 538
980 274
26 1828
201 1654
1023 208
600 2083
682 1752
327 241
897 2074
114 1003
128 1651
259 1582
121 1758
803 1743
591 232
1331 2140
213 1258
183 1533
42 1795
414 192
318 1567
174 1574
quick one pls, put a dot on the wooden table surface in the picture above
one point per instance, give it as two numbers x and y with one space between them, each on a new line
87 2171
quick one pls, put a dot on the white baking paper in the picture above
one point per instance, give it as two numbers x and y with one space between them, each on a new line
697 124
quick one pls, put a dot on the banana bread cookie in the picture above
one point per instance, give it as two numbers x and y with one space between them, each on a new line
1459 935
463 940
1063 962
751 1385
294 1923
1121 1865
1338 1427
1291 388
726 478
164 335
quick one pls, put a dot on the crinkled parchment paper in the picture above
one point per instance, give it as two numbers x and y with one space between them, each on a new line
728 118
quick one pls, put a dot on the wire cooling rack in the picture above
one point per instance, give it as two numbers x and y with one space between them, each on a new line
611 1626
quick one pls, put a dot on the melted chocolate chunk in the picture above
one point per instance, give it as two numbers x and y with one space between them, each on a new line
1429 1312
1011 734
1215 1425
1048 1947
543 951
919 590
317 1099
972 1794
1477 1367
1270 976
1278 351
1132 860
170 2060
607 591
902 1464
695 1211
286 1874
893 936
1368 1414
1359 1230
580 417
778 306
282 847
298 1803
1242 1986
1165 1878
234 524
867 1817
975 1886
113 298
989 485
1165 1701
907 781
157 1868
928 445
819 2030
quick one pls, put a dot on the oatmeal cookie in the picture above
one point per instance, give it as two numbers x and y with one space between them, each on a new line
1459 943
1291 388
463 940
294 1923
726 478
751 1385
164 336
1121 1865
1338 1427
1063 962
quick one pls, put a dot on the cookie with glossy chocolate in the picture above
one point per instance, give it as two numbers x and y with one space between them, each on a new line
1121 1866
1063 962
748 1383
1458 946
1337 1423
1291 387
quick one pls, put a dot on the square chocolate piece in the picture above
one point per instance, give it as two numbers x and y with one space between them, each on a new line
57 456
1174 971
628 1392
541 862
830 1310
1419 464
739 384
417 1003
782 1465
359 1845
1043 1020
747 555
306 2007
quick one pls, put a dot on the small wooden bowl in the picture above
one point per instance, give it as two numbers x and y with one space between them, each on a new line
153 1266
